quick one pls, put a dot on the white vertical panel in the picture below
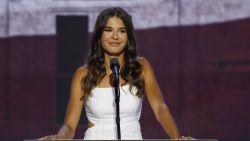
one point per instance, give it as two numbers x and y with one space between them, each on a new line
189 11
31 17
3 18
223 10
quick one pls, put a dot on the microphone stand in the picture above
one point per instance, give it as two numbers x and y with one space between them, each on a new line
117 101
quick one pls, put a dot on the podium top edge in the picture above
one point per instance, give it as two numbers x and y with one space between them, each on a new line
124 140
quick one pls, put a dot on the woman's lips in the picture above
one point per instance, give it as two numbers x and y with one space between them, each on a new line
114 43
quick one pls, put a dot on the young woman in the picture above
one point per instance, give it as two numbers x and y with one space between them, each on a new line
113 37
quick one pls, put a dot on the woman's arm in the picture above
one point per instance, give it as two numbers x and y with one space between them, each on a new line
74 108
156 101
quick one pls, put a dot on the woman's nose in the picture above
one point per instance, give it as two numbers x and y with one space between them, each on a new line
114 35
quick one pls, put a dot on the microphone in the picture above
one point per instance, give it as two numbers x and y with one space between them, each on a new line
114 66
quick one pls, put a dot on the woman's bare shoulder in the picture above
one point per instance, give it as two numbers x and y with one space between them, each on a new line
81 71
146 66
144 62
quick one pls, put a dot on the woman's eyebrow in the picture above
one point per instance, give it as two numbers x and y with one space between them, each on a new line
111 27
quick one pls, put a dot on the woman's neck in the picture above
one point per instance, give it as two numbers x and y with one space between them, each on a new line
107 62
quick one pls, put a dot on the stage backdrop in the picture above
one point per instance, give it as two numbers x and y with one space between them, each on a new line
200 51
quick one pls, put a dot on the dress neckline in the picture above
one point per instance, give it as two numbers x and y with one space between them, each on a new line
125 85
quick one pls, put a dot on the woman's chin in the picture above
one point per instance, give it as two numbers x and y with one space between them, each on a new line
115 54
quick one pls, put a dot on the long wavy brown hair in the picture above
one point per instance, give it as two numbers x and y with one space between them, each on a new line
132 69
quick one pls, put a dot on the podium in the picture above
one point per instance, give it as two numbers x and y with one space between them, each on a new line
125 140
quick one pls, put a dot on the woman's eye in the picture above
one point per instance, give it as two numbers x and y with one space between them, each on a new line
107 30
123 31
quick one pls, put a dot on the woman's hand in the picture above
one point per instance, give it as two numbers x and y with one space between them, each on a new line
52 137
186 138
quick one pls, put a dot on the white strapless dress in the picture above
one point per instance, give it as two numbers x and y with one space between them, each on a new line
101 111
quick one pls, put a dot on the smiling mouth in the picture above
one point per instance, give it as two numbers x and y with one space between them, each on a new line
114 44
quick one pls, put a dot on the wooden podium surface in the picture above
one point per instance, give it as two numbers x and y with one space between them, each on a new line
124 140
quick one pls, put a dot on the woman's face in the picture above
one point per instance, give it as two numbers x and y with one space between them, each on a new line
114 37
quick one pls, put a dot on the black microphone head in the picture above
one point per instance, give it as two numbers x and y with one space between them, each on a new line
114 62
